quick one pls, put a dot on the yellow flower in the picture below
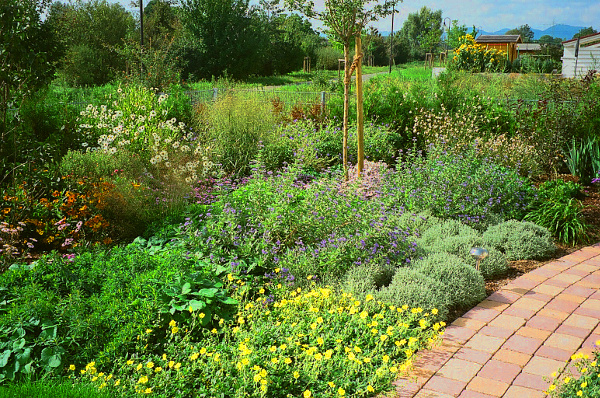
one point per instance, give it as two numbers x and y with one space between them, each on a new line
245 361
368 297
256 378
171 364
272 348
129 362
434 311
148 331
370 388
150 365
139 366
275 360
172 323
147 390
385 359
552 387
117 382
203 351
72 367
567 380
175 330
287 361
320 341
194 356
331 384
341 392
158 369
201 315
307 394
579 393
177 366
296 375
143 380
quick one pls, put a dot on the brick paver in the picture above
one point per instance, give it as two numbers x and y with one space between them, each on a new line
510 343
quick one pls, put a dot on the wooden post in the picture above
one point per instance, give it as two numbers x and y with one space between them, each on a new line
359 108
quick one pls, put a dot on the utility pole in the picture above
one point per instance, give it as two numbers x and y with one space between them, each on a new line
141 23
392 39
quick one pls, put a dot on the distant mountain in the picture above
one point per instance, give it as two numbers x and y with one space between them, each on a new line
565 32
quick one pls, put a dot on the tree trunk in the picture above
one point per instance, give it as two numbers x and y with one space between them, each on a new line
359 108
346 107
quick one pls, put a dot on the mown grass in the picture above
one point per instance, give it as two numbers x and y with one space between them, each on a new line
51 388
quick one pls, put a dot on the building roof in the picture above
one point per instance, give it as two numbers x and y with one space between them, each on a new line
582 38
529 47
499 39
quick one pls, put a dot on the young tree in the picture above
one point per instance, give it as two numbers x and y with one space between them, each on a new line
457 31
345 20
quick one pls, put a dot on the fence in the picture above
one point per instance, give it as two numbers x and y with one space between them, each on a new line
287 98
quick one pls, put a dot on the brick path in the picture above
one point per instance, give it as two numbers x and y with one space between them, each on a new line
509 345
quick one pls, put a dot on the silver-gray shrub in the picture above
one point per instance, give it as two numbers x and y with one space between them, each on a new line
460 245
416 289
464 285
368 278
520 240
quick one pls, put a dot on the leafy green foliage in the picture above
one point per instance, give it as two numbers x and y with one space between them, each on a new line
364 279
583 159
61 311
520 240
558 209
465 286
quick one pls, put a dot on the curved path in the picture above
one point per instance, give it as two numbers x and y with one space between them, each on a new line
510 344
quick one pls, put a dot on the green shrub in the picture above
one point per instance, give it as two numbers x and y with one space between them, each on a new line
559 190
563 219
520 240
465 286
415 289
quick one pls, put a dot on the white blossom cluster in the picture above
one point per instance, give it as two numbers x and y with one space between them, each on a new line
137 122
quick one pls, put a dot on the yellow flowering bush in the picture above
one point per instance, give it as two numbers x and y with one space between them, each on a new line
473 57
321 343
586 384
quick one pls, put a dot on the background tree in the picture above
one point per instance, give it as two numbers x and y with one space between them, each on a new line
525 32
91 32
551 46
227 39
344 20
422 31
585 32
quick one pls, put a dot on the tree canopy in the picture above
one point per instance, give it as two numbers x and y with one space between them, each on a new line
423 31
585 32
525 31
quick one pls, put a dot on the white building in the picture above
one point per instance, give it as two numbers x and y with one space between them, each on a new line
588 57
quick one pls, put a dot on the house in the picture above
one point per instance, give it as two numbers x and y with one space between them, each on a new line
528 48
588 57
506 43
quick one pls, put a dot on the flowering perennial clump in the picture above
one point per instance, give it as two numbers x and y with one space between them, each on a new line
319 342
473 57
136 121
585 384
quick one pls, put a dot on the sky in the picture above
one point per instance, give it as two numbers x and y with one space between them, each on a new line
492 15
